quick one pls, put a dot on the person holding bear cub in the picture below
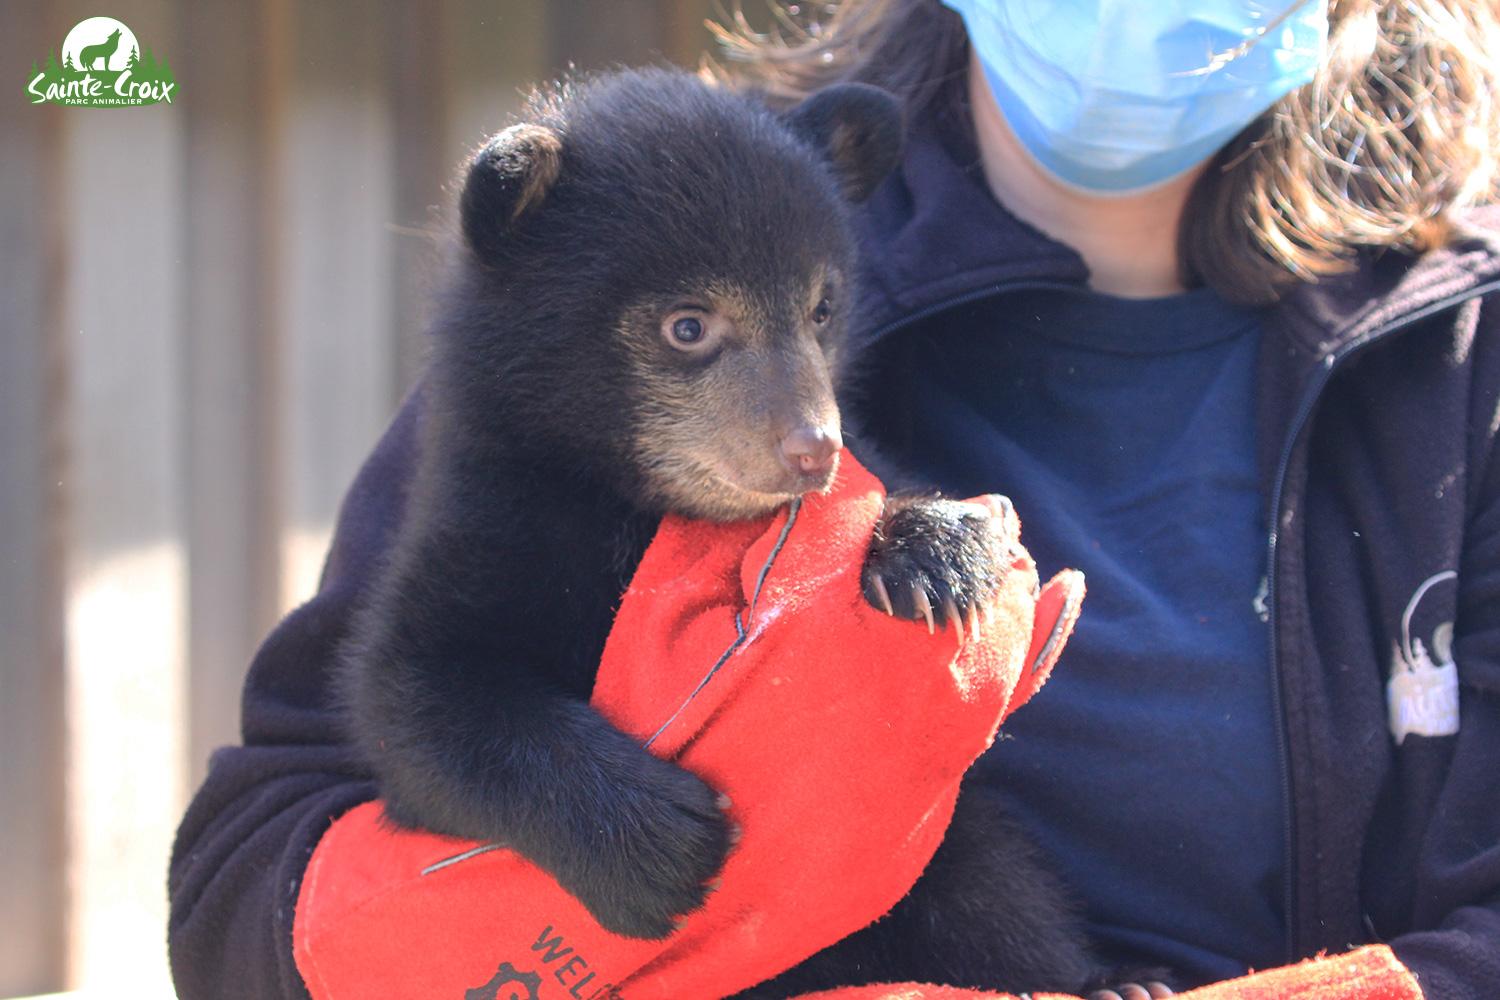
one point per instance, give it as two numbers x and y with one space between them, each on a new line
1201 290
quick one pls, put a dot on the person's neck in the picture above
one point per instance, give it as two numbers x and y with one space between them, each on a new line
1129 242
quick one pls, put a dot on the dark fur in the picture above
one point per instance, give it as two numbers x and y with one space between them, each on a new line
561 425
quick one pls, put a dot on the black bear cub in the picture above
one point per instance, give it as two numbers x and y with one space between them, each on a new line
646 316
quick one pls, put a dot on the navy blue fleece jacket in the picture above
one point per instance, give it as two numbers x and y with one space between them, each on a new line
1378 409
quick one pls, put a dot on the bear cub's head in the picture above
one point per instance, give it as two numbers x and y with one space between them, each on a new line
658 275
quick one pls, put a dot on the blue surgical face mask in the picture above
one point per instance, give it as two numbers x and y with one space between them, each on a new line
1112 96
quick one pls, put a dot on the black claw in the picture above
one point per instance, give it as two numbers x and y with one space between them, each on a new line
936 561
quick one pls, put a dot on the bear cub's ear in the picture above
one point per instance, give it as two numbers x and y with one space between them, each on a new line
510 176
857 127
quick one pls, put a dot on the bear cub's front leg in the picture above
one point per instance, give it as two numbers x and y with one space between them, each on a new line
634 838
938 560
637 839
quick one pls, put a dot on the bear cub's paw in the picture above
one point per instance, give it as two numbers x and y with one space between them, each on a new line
645 858
938 560
1134 983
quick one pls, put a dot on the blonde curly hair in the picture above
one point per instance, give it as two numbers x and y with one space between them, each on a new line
1399 128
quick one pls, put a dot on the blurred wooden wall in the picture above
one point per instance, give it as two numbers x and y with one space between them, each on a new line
208 311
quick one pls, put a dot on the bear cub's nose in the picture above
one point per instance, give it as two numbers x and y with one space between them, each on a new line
810 450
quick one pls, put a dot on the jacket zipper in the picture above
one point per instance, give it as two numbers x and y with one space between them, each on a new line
1303 414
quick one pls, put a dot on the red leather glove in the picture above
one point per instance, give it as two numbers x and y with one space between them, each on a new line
1369 973
746 653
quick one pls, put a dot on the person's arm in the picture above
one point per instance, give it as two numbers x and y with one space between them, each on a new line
1368 973
746 653
246 838
1455 947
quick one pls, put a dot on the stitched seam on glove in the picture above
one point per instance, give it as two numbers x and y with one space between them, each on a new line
739 621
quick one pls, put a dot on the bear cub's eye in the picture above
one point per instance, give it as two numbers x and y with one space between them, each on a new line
822 311
693 329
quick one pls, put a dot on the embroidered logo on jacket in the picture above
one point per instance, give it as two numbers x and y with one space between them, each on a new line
1422 694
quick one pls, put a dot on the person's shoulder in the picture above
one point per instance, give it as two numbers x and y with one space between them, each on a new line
1467 263
1476 239
1486 215
1478 226
1474 247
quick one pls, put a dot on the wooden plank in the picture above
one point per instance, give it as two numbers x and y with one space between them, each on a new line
633 32
33 905
493 53
336 262
685 40
593 35
126 524
233 391
423 158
